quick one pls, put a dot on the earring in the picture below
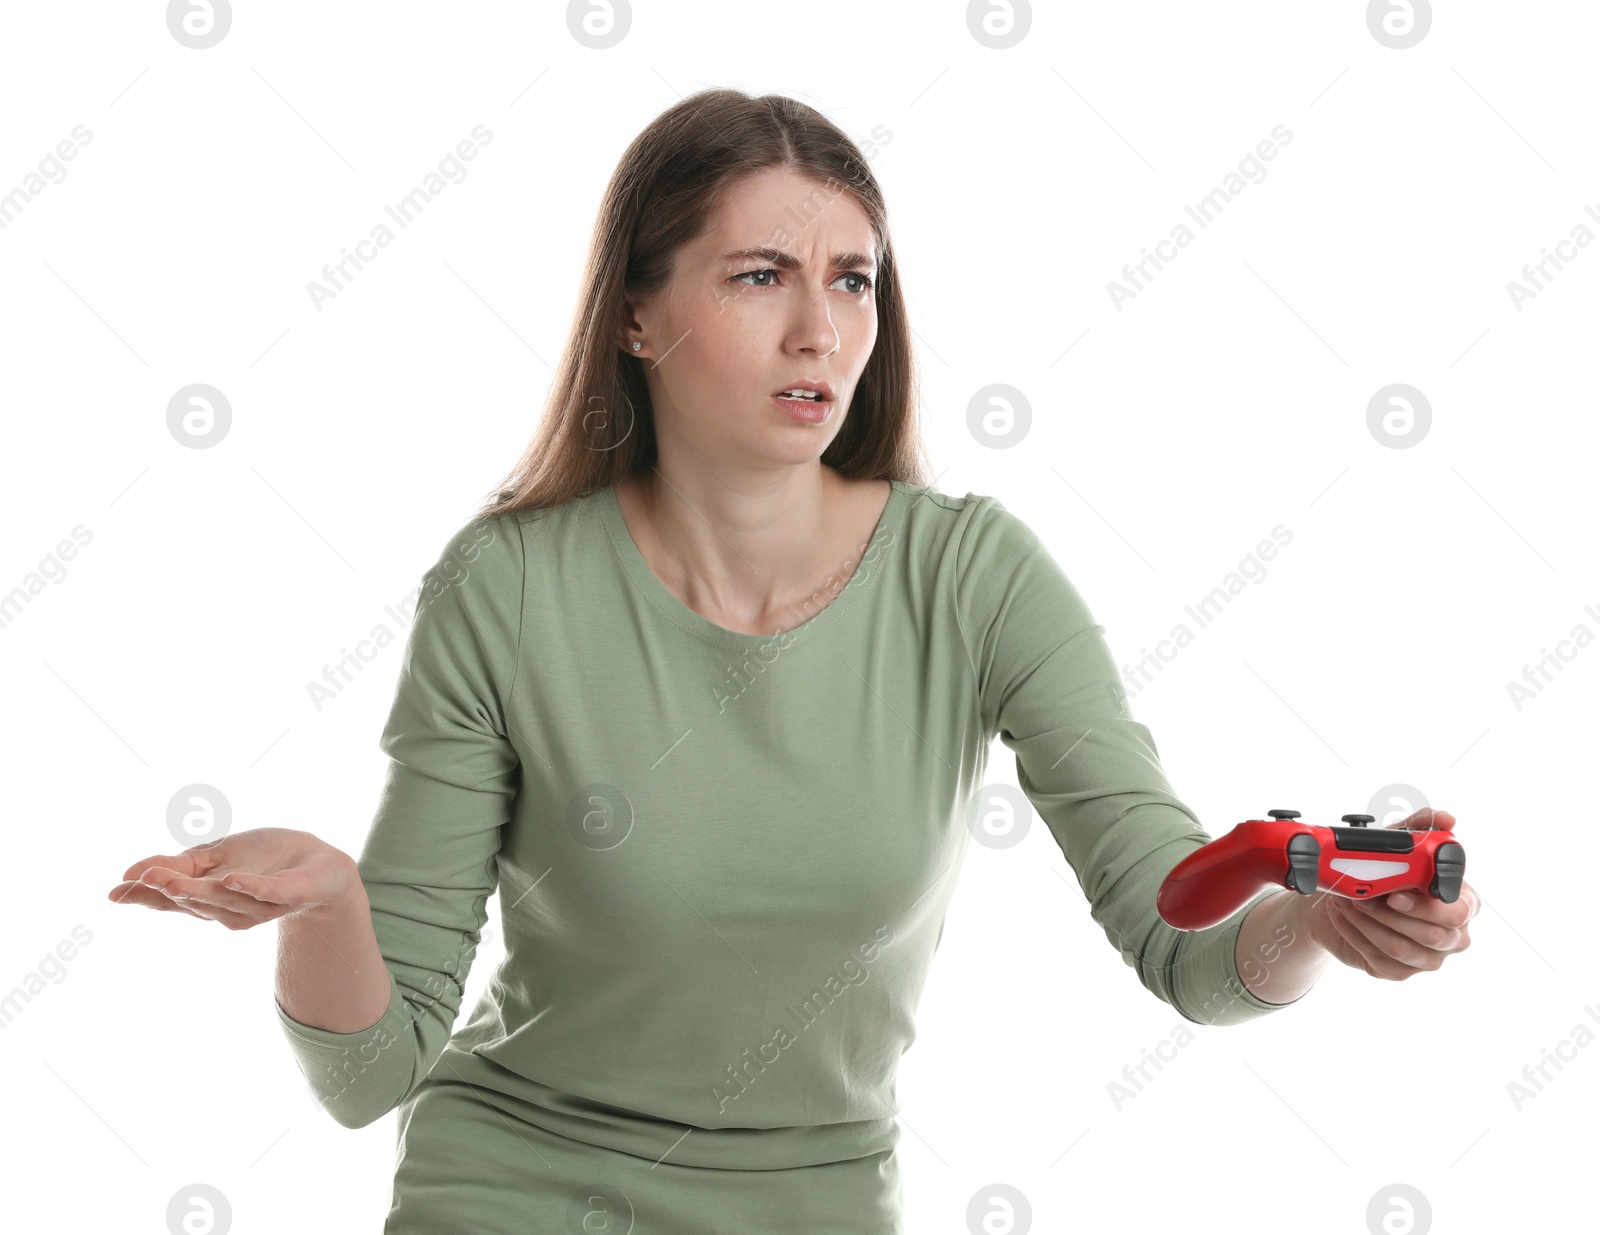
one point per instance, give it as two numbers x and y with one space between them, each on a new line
637 345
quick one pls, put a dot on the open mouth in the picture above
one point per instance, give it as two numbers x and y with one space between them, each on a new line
807 406
808 388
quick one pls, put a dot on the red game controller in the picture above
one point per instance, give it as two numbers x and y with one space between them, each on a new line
1358 862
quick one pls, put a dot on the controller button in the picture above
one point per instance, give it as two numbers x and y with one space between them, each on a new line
1368 868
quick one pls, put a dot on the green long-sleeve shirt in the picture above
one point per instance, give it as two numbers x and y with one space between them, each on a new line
724 860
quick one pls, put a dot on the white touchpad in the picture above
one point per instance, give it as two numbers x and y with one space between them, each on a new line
1367 868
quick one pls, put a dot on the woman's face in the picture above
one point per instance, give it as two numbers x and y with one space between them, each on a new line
735 327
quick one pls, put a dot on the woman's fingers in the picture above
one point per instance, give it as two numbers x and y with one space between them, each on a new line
230 918
241 880
205 895
269 889
193 862
135 893
164 890
173 863
257 897
200 900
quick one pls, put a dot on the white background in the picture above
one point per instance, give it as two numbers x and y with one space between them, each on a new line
1166 439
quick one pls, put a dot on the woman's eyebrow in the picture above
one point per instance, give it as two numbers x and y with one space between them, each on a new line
785 260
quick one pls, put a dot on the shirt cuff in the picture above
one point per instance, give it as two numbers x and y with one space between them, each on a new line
327 1037
352 1074
1209 989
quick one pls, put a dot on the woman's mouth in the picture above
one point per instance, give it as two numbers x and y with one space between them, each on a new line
806 406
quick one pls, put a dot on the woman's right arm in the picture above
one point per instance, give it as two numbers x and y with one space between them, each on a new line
335 995
366 1037
331 975
374 951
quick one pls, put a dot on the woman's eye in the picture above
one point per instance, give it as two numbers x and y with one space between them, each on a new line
864 280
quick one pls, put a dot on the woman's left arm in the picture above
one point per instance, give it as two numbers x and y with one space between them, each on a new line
1389 937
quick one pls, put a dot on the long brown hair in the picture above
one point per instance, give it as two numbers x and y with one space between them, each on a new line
597 425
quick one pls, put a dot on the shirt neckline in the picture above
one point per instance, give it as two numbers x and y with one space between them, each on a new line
681 615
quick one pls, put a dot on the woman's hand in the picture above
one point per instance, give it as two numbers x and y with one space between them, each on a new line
244 879
1400 934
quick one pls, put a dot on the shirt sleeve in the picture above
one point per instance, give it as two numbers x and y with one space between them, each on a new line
429 859
1050 689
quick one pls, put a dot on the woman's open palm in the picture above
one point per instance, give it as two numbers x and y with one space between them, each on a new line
242 880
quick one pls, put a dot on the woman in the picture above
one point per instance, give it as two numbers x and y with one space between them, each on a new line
705 692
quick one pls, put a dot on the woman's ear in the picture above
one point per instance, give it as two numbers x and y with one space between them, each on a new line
632 330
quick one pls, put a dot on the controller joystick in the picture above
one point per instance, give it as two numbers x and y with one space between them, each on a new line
1357 862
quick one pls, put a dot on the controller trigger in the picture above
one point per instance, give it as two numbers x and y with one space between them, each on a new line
1449 864
1305 860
